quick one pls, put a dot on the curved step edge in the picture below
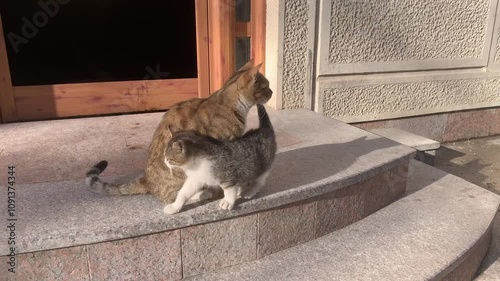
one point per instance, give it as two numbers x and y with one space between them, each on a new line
441 231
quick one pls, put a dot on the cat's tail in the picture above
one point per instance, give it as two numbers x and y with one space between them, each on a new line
137 186
264 121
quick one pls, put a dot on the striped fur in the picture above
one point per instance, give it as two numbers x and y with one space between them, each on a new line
95 183
222 116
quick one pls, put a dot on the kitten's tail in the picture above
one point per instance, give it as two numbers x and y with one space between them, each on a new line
264 121
137 186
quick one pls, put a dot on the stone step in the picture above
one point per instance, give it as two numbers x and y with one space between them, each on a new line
490 266
325 177
426 148
315 161
440 230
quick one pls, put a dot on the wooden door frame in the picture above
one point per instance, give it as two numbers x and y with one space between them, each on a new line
223 30
202 47
258 32
216 31
219 20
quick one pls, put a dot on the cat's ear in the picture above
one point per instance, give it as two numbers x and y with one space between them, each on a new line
250 75
247 65
254 70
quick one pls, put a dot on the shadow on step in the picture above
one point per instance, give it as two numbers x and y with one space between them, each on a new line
493 255
463 166
307 165
62 214
421 175
446 154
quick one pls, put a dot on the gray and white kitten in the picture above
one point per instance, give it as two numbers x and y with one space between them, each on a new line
240 167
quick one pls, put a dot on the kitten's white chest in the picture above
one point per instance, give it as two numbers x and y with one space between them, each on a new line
203 173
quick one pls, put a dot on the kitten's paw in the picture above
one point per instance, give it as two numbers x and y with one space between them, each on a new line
170 209
225 205
249 195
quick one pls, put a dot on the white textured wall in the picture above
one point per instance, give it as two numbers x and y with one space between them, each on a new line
496 47
416 57
378 59
354 101
497 55
295 53
399 30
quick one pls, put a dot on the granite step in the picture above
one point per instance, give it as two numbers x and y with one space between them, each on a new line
440 230
311 162
325 177
490 266
426 148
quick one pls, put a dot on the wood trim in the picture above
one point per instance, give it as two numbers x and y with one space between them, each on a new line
243 29
64 100
7 104
221 22
202 48
258 20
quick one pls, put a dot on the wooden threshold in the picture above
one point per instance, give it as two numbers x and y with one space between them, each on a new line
65 100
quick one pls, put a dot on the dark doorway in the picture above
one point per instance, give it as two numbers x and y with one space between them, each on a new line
81 41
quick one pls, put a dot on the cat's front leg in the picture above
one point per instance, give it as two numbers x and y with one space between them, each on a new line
230 196
189 188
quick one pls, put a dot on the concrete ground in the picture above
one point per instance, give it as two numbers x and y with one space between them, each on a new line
477 161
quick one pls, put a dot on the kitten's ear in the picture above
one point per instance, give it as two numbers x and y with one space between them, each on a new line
179 146
247 65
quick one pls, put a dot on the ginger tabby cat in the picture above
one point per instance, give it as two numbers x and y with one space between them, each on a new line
221 116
